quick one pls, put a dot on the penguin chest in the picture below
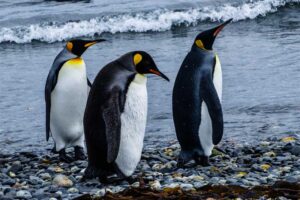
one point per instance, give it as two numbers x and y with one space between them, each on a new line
68 100
133 124
205 130
217 77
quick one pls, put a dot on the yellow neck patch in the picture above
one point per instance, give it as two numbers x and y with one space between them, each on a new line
200 44
137 58
76 62
140 78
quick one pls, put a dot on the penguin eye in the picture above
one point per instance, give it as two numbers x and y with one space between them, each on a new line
200 44
137 59
70 46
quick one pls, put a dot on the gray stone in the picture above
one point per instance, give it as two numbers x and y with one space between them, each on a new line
214 180
75 169
295 150
117 189
282 158
45 176
23 194
73 190
62 180
291 179
231 181
9 182
198 184
35 180
186 186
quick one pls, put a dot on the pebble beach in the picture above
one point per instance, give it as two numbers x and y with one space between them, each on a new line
235 168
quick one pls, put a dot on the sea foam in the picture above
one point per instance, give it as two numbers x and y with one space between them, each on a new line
157 21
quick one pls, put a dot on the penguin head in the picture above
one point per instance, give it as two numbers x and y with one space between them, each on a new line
144 64
205 39
78 47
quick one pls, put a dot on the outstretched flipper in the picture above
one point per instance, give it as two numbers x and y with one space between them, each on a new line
111 116
214 107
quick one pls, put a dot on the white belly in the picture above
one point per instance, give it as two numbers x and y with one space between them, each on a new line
205 130
133 125
68 101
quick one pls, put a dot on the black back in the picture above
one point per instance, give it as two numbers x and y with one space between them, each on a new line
102 115
193 85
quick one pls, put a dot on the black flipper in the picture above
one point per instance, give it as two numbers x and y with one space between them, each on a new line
111 116
50 85
214 107
89 82
59 61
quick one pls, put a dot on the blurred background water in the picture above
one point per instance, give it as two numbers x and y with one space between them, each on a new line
259 53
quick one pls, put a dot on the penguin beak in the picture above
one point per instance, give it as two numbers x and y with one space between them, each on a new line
158 73
90 43
219 28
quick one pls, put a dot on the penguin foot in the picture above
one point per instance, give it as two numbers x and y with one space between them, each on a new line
53 150
63 156
79 153
202 160
180 163
115 180
110 180
184 157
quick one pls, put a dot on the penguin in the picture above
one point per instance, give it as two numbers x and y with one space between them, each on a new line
196 100
115 117
66 93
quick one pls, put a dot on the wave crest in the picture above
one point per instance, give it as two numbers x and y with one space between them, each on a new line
158 20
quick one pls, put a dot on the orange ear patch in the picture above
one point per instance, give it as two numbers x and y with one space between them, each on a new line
70 46
137 58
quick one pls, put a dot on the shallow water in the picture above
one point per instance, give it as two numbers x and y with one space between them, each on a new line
259 53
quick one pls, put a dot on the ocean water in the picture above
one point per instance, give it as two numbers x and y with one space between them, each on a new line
259 52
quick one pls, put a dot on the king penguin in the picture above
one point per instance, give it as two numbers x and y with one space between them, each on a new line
66 93
115 116
197 93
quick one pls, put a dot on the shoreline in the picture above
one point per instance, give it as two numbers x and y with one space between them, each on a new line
236 170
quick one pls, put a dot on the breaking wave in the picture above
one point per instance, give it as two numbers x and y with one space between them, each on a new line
157 20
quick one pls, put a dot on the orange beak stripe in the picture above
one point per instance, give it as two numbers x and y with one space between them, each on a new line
218 30
155 72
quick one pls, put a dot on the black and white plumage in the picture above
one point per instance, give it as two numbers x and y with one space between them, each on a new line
197 94
66 93
115 116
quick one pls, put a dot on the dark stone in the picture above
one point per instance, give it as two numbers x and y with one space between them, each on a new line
53 189
282 158
15 168
287 147
248 150
9 182
28 154
291 179
295 150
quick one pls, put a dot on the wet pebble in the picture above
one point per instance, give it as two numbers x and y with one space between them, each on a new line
24 194
62 180
43 177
